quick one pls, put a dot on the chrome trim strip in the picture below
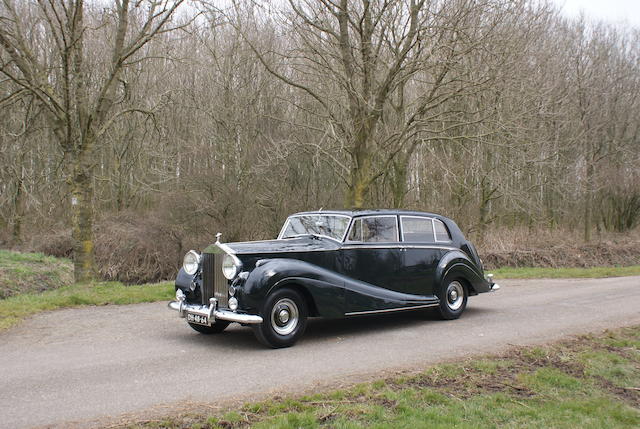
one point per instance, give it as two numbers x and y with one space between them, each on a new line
388 310
208 310
399 246
371 246
262 252
352 246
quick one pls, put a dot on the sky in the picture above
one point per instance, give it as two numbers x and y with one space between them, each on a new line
613 11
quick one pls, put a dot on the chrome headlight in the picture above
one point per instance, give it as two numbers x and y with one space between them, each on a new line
191 262
230 267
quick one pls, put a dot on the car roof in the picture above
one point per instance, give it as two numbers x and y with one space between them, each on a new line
372 212
456 234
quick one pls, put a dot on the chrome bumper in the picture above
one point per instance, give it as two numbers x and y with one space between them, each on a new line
212 312
494 286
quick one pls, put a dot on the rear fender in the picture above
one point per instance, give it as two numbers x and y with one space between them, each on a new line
458 264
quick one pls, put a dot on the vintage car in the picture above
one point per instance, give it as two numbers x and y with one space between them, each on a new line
330 264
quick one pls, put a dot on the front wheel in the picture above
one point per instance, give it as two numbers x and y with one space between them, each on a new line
216 328
453 298
284 317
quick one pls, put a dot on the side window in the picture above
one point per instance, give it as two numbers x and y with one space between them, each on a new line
374 229
417 230
442 233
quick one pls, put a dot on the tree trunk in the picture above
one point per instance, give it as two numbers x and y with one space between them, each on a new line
360 169
18 204
82 217
399 183
357 188
588 221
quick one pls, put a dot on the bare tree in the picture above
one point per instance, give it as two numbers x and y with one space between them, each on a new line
44 54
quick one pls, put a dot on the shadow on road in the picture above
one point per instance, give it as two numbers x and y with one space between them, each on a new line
239 338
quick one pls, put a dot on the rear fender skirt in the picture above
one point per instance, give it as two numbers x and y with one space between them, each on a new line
457 263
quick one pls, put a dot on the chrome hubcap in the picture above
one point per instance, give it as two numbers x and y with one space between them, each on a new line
455 295
284 316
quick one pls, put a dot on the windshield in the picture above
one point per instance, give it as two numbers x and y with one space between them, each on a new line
331 226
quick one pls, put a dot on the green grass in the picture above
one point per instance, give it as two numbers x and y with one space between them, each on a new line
32 272
31 283
559 273
588 382
16 308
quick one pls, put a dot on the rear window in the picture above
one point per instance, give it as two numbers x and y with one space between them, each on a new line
442 233
417 230
374 229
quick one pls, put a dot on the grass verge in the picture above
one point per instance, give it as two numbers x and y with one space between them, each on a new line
559 273
16 308
32 272
588 382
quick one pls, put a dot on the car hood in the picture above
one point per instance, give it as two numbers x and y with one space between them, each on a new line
299 244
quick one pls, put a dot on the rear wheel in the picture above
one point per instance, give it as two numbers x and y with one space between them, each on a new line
453 296
284 317
216 328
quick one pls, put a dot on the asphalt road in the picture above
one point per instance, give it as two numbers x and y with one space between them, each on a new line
85 367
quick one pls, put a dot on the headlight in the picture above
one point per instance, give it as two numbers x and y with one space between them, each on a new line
191 262
229 267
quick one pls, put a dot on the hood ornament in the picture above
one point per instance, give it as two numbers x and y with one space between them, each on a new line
218 235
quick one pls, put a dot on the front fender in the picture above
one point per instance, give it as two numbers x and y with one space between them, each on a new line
458 264
324 287
183 280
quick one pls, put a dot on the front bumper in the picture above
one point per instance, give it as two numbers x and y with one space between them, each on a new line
212 312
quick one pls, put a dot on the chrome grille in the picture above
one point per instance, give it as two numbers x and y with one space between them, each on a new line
220 286
214 284
207 277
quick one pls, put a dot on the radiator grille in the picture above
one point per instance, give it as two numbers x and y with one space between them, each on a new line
220 286
214 283
207 277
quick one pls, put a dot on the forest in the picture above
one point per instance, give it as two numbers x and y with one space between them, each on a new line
131 131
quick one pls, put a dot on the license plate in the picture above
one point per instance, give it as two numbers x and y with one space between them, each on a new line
198 319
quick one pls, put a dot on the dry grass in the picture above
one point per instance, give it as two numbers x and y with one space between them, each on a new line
129 248
554 248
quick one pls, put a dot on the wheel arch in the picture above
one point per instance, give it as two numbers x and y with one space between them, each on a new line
297 286
458 272
458 264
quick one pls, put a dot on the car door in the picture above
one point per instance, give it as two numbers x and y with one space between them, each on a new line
371 258
425 240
